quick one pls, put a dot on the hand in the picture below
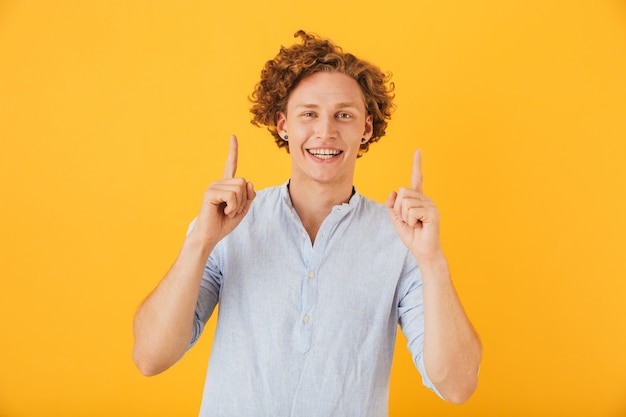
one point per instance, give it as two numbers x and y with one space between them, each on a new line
415 217
225 202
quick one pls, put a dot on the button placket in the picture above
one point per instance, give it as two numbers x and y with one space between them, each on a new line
310 289
314 258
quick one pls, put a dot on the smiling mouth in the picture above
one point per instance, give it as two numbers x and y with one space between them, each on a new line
324 153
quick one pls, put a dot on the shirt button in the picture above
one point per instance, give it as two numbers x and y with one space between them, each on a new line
306 319
311 275
304 235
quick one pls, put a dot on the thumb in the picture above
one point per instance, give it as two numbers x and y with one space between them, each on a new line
391 200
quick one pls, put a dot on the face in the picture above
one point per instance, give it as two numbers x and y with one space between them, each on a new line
325 120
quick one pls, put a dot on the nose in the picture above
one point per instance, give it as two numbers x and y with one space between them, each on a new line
327 127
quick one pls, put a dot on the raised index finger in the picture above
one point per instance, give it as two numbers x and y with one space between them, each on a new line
416 173
231 162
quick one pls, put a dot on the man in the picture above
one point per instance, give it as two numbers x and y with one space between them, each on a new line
312 278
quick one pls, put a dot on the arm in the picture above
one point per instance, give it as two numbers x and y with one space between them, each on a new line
163 323
452 350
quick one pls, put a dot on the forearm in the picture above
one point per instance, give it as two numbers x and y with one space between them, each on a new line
452 350
163 323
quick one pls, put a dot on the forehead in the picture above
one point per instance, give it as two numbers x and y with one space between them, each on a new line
327 88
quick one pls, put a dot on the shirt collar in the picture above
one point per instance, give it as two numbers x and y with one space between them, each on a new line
344 207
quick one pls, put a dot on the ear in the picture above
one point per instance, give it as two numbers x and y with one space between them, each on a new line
369 127
281 121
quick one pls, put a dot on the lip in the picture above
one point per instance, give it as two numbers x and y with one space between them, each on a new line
324 153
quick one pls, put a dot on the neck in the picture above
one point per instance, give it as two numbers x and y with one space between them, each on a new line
314 201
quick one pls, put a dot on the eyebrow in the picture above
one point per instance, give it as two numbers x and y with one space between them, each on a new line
346 105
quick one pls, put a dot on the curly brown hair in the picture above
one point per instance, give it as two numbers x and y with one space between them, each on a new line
283 73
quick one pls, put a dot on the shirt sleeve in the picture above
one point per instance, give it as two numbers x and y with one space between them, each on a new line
411 317
208 294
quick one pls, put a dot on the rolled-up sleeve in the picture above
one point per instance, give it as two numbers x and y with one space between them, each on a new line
208 295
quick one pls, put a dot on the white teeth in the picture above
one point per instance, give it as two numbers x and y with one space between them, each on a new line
324 153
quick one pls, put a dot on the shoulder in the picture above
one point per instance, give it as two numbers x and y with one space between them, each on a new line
374 226
268 199
371 210
273 192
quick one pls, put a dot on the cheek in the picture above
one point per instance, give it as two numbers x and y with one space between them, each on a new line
299 128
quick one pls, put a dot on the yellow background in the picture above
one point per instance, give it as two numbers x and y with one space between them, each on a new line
115 115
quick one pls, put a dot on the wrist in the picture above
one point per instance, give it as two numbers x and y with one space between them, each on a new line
432 256
434 265
196 242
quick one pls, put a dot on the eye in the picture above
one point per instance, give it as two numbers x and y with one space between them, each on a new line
308 114
344 115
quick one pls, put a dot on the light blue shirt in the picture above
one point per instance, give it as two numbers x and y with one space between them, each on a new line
308 330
